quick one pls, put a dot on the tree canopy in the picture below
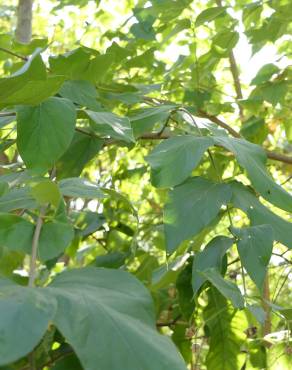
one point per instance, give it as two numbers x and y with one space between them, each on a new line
145 184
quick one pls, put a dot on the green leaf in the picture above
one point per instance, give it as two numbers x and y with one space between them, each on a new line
79 3
144 30
46 191
145 120
80 188
17 199
255 245
226 333
81 150
30 84
253 158
55 236
209 15
31 47
255 130
264 74
110 309
210 256
228 289
15 233
111 260
224 42
244 199
185 291
273 92
173 160
80 92
196 196
34 92
25 314
69 362
82 64
44 132
110 124
258 312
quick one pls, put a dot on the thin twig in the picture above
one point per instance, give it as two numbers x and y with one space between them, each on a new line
155 136
34 249
289 262
235 76
7 51
169 323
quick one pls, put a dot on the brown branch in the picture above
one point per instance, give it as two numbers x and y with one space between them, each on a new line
34 248
156 136
267 327
7 51
169 323
220 123
235 75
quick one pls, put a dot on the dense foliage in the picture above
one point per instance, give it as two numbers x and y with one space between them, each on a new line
144 186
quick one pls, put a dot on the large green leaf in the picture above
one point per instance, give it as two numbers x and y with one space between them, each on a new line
173 160
225 287
110 124
44 132
191 207
210 256
15 232
25 314
81 150
253 158
35 92
226 333
244 199
34 69
29 85
255 245
99 310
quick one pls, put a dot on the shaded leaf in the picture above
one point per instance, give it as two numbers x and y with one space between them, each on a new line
225 287
210 257
255 245
17 198
253 158
26 306
45 192
15 233
80 92
244 199
196 196
81 150
44 132
209 15
110 124
113 310
173 160
145 120
80 188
